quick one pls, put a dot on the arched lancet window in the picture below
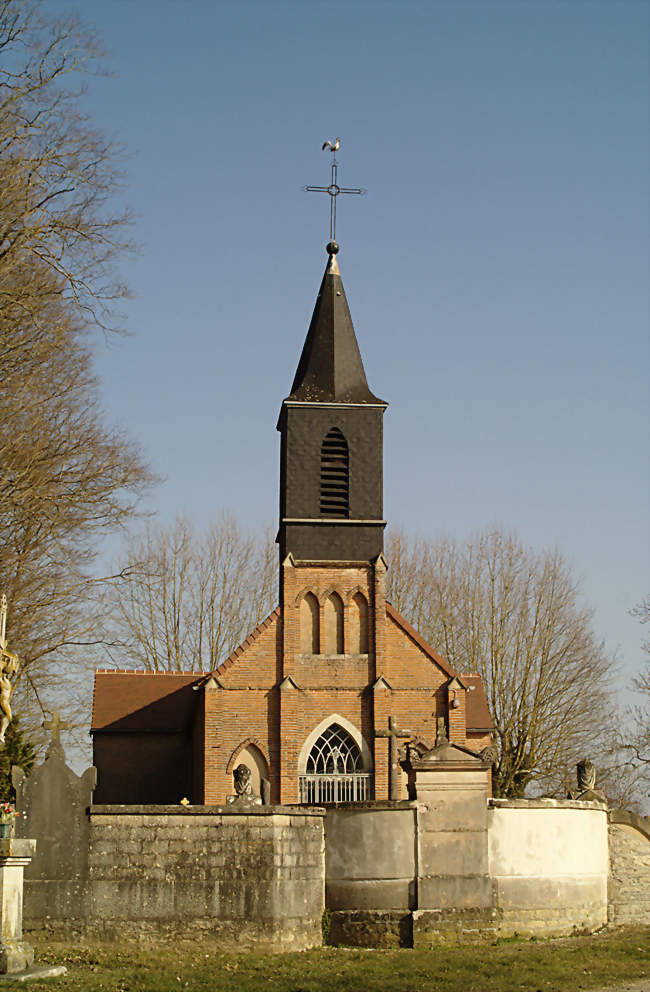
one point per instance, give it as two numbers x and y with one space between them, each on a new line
358 637
334 753
334 624
334 475
309 625
334 771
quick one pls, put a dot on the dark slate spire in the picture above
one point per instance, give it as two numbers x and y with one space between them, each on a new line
330 369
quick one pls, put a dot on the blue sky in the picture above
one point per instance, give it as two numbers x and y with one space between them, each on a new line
496 270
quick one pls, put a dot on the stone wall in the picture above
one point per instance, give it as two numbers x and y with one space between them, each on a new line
629 868
253 878
548 862
370 873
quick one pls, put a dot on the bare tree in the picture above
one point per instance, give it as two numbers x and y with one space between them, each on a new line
58 174
66 479
185 599
495 606
634 737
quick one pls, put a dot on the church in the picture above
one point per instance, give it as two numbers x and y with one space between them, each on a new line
324 699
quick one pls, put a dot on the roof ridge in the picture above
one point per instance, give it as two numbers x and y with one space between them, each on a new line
144 671
420 641
252 637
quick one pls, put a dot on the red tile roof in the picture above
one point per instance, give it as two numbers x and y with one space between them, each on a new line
125 700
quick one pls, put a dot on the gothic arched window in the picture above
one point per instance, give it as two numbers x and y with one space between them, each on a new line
309 625
333 624
358 638
334 770
334 475
334 753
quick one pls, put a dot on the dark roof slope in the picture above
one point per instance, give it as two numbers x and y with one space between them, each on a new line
330 367
478 711
152 701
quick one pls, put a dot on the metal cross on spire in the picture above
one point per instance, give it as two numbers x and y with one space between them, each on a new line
333 189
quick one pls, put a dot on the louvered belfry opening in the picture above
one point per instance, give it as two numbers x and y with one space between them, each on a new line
334 475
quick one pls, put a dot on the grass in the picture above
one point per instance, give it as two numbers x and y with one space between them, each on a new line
571 963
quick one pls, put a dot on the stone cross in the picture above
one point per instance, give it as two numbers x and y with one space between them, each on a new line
55 726
393 734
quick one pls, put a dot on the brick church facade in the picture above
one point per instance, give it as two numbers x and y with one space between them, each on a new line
331 689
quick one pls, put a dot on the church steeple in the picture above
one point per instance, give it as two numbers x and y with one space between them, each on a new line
330 367
331 451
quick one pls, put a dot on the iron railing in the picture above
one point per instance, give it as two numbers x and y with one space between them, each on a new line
318 789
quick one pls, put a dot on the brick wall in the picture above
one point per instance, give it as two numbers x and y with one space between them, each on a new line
271 692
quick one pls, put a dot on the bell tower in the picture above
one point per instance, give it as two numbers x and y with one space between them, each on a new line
331 441
332 570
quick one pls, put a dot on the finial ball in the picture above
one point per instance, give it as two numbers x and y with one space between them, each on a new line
332 248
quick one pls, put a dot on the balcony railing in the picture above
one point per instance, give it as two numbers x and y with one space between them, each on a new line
315 790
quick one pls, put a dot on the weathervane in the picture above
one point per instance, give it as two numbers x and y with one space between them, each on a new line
333 189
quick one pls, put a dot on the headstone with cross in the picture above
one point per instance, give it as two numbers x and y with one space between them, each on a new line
55 725
393 734
334 190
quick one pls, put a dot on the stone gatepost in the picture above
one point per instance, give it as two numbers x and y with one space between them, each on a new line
454 892
15 954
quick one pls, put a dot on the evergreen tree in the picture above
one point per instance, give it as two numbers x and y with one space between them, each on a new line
18 750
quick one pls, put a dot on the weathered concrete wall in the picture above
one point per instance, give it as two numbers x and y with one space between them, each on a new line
629 868
370 873
370 856
549 864
242 878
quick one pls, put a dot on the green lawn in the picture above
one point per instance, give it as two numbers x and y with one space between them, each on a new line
572 963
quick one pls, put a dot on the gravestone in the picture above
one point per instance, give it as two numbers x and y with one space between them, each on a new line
53 803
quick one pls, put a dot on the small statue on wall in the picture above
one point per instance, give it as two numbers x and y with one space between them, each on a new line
244 795
242 777
586 791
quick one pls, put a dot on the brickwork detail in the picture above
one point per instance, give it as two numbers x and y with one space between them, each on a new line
274 691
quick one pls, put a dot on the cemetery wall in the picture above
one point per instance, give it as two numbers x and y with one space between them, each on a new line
253 878
389 873
548 860
629 873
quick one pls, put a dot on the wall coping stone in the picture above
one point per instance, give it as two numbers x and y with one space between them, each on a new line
179 810
374 805
624 816
545 804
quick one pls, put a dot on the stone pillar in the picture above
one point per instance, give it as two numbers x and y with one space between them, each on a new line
455 899
15 954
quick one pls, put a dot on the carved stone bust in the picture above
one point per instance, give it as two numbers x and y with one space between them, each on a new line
242 777
244 795
586 772
586 791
